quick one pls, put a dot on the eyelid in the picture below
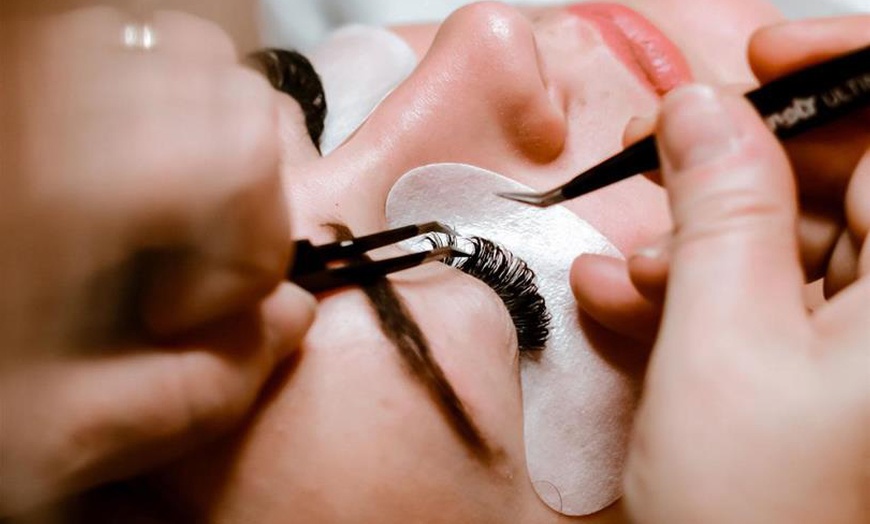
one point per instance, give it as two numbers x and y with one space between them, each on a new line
511 279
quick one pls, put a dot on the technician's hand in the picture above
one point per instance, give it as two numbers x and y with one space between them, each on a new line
829 162
834 194
754 410
143 242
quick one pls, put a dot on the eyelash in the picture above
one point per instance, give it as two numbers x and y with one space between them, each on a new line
291 73
512 280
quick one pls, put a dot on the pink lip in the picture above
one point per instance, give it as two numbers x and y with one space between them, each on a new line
641 46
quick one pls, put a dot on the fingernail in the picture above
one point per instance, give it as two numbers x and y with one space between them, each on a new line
637 128
656 250
650 252
695 128
297 309
308 300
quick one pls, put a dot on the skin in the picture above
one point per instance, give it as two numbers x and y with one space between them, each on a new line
236 21
833 215
344 434
142 246
776 406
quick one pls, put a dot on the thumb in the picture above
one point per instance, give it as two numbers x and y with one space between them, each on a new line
734 266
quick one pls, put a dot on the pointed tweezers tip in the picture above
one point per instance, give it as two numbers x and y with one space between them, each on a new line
443 253
536 199
317 277
437 227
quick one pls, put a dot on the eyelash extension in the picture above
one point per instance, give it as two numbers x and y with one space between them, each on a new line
291 73
512 280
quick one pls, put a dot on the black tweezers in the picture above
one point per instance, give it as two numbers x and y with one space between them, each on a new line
316 268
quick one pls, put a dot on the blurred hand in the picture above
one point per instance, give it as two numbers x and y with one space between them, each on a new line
830 165
144 241
754 410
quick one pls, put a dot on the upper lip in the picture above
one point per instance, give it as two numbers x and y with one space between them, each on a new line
644 49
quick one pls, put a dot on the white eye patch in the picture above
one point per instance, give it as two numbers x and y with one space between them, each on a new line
359 66
577 407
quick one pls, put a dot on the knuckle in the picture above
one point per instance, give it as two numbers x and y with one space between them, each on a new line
195 36
735 211
216 40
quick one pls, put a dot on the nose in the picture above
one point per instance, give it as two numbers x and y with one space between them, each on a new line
488 52
478 97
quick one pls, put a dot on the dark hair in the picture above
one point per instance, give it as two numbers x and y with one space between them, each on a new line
291 73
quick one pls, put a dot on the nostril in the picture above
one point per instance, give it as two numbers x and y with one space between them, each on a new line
541 134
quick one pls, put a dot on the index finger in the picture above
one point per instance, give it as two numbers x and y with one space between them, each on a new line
823 159
734 266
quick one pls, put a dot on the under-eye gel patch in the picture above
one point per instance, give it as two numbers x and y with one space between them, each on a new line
359 66
577 406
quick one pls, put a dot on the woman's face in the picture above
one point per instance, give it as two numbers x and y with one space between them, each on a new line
347 432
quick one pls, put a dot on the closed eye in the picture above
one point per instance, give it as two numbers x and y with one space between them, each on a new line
512 280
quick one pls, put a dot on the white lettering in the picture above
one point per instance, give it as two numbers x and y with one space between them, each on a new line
801 109
847 92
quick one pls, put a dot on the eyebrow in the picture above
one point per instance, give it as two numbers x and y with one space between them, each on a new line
399 326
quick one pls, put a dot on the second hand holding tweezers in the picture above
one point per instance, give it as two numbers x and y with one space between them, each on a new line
791 105
339 264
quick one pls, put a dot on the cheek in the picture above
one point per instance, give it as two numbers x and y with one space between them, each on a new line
598 93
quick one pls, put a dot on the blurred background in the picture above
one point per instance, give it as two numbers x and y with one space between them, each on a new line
301 24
